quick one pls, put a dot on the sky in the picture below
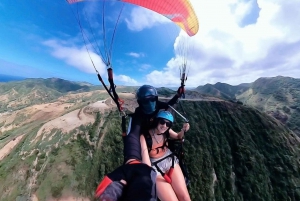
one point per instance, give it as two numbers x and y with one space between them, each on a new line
238 42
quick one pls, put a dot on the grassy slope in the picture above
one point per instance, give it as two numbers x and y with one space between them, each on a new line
278 96
222 90
20 94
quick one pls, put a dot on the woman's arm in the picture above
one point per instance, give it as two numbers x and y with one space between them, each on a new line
180 134
144 151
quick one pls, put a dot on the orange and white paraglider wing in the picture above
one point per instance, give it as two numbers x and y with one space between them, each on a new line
180 12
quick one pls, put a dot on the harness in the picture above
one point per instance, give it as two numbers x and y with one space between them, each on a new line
176 148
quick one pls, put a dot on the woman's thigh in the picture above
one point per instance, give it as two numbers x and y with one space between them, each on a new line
164 190
178 184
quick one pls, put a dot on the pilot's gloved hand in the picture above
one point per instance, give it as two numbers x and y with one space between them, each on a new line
180 91
138 179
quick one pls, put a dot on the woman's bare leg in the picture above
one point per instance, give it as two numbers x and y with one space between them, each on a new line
178 184
164 190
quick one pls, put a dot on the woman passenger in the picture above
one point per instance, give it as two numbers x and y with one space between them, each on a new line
170 182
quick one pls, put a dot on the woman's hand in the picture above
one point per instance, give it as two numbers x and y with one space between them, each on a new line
186 127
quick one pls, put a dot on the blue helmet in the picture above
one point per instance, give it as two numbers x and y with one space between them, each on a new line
145 91
165 115
146 97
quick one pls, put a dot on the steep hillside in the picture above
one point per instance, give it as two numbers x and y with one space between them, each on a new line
279 97
20 94
165 91
16 95
223 90
237 153
40 144
233 153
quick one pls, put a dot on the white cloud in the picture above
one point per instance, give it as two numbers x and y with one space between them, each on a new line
136 55
141 18
145 67
162 78
124 79
225 51
77 57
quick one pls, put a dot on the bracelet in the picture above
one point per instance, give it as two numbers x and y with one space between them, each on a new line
183 130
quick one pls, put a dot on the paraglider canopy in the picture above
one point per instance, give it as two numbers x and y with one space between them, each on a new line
180 12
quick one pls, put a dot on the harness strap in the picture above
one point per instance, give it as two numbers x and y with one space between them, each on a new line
135 161
115 96
166 176
179 152
123 125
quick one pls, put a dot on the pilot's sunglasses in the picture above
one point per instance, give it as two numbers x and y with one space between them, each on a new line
148 99
162 122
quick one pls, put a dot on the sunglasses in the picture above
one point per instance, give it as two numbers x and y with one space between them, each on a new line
149 99
162 122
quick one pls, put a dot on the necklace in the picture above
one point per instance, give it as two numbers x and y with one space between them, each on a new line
153 134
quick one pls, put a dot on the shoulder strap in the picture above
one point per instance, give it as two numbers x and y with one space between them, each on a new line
148 139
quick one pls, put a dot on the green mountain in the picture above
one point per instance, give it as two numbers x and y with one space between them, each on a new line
223 90
61 149
20 94
163 91
277 96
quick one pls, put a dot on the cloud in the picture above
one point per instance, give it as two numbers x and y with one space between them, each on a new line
124 79
145 67
77 57
141 18
227 49
162 78
136 55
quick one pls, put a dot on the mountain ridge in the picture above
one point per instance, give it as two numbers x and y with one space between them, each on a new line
277 96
